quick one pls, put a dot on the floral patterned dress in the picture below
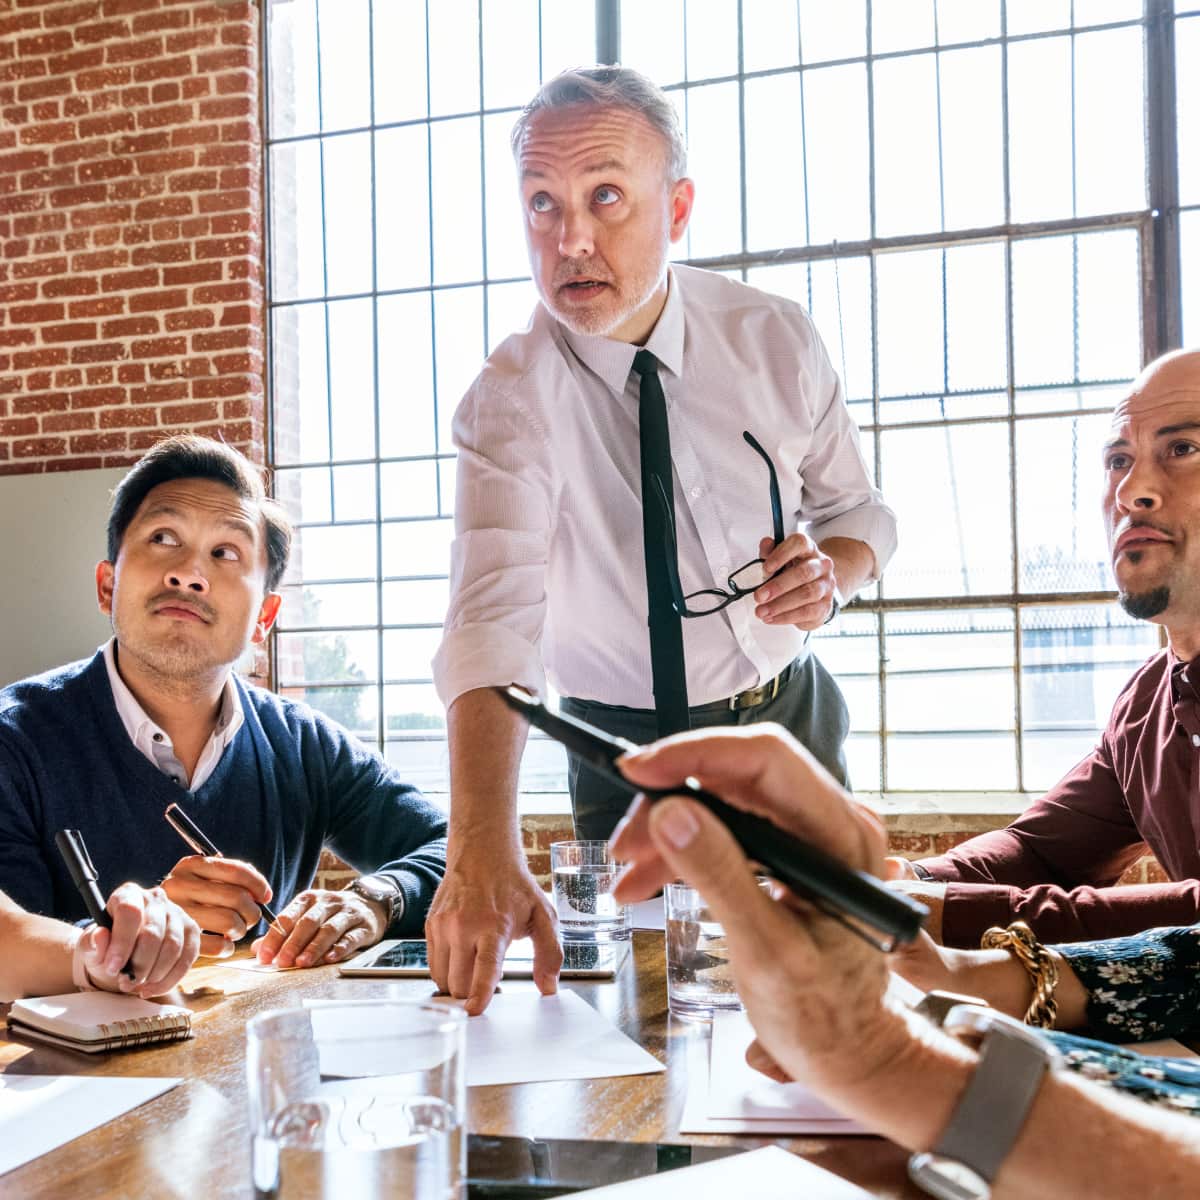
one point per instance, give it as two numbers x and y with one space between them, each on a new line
1139 988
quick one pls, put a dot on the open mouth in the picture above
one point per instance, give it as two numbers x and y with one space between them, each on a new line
582 288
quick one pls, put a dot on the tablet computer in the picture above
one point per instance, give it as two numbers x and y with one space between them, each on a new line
401 958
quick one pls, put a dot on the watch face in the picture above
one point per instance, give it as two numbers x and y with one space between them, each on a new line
947 1178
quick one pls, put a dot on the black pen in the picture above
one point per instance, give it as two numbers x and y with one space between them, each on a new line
75 854
855 898
199 841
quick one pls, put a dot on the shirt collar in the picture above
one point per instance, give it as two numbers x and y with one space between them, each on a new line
137 722
612 360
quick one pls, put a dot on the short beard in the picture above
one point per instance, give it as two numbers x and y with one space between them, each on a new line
1145 606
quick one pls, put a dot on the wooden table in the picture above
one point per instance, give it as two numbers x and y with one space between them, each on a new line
193 1141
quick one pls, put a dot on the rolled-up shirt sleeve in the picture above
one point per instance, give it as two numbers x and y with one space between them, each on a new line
503 521
839 498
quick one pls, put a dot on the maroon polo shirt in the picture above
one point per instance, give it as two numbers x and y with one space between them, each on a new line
1055 865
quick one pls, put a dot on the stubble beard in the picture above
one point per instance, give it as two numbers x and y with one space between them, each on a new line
1145 606
601 321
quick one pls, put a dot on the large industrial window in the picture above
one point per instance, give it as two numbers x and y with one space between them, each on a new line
982 205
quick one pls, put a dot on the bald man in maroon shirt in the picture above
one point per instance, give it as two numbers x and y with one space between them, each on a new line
1054 866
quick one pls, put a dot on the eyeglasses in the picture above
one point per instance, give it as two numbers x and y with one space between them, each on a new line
744 580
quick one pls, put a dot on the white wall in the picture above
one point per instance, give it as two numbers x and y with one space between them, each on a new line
51 537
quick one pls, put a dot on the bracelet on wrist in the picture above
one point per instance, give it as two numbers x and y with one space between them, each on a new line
1019 940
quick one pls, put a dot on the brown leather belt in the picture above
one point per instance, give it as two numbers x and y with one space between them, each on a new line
753 697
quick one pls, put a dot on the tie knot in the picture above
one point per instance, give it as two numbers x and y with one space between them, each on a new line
644 363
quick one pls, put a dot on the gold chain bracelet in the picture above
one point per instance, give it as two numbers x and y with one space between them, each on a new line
1019 940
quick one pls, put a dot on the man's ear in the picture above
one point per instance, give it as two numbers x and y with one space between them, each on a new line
266 617
683 195
105 583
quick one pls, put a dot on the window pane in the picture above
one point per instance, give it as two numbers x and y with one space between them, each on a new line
849 649
312 605
907 195
401 85
510 309
901 25
354 708
332 553
770 34
712 38
1037 16
301 384
829 31
453 74
407 405
457 215
292 49
1039 120
837 156
910 323
568 34
297 246
506 254
407 654
348 216
1059 483
510 52
332 656
417 547
775 189
951 700
1189 237
351 378
459 316
972 137
402 207
409 489
1074 662
714 158
972 22
949 486
1187 92
416 601
652 39
413 708
345 64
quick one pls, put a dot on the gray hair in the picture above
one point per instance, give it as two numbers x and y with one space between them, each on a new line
610 87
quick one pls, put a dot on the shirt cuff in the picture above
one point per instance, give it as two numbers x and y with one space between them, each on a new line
477 656
873 524
969 910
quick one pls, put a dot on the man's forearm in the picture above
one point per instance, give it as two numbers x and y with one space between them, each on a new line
486 742
37 953
853 563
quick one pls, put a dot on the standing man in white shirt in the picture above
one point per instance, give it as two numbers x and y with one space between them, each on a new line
558 568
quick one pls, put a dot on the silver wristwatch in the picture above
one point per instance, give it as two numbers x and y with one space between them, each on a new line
1013 1060
381 889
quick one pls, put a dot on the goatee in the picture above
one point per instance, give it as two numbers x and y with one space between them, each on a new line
1145 605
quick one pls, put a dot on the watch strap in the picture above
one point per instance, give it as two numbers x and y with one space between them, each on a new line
1013 1061
382 889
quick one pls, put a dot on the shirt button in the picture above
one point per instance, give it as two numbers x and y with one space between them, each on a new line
697 492
158 737
1196 739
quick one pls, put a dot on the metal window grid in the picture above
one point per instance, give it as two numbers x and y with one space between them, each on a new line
1156 226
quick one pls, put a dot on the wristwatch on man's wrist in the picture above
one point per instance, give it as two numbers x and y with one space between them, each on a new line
836 604
1013 1061
383 890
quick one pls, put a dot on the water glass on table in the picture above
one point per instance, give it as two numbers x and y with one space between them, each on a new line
358 1098
584 875
699 979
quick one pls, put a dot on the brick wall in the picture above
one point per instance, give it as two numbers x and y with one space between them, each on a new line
131 272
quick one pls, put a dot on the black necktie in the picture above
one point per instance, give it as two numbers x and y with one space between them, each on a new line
667 669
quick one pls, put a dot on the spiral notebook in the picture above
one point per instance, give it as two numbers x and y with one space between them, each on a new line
98 1021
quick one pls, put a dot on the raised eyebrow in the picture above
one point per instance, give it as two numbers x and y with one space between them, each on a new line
1181 427
169 510
598 168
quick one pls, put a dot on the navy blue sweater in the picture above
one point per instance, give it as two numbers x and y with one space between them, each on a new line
289 781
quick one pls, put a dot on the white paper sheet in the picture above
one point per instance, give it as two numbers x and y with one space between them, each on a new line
39 1113
522 1037
648 914
767 1174
695 1118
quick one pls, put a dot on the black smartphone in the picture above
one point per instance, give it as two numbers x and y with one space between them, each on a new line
500 1168
861 902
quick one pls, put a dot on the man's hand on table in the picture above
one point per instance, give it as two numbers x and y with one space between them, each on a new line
930 893
156 937
483 904
221 895
320 927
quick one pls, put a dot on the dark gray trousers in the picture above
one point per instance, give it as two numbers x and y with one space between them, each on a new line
810 705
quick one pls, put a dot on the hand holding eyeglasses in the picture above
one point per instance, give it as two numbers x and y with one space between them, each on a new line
800 583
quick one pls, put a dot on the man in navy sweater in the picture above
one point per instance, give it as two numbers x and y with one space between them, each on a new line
157 716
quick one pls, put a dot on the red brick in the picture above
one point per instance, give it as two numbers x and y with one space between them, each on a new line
109 168
76 61
39 448
130 327
15 114
44 43
177 43
220 293
163 68
167 231
94 82
55 402
142 143
166 160
80 151
17 22
48 177
218 386
168 206
225 108
164 93
189 414
65 422
46 356
100 352
158 393
93 443
99 375
211 202
237 83
101 31
166 252
240 131
122 8
105 307
99 260
74 106
68 377
36 381
125 281
196 135
32 314
47 244
18 337
237 364
205 272
106 123
77 331
164 114
73 197
134 51
155 22
128 418
40 223
137 189
97 397
194 181
47 110
39 89
18 426
232 410
38 268
48 133
74 285
73 463
235 222
71 14
29 68
13 293
162 347
157 301
16 249
195 87
189 318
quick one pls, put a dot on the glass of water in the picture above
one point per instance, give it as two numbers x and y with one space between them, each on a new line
699 979
584 875
358 1098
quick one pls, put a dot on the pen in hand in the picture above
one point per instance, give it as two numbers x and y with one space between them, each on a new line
71 846
199 842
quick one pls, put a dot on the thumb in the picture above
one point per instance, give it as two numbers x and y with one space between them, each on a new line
895 867
765 546
699 849
94 943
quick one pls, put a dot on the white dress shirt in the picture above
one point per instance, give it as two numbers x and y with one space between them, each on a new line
547 566
154 742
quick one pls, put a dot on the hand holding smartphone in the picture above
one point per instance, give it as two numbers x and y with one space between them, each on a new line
855 898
